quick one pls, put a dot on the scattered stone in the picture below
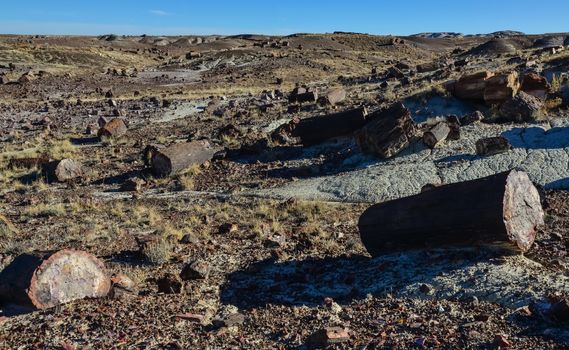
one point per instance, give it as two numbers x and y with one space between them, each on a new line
196 270
522 108
122 281
227 228
191 317
26 78
115 128
301 95
502 342
43 281
228 316
134 184
472 118
389 131
326 337
335 95
189 238
492 145
62 170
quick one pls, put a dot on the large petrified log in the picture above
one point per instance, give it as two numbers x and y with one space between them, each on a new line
389 131
500 208
179 156
472 86
314 130
42 280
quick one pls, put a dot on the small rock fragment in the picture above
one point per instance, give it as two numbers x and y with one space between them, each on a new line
492 145
328 336
196 270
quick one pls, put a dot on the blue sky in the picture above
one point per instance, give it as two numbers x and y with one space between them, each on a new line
178 17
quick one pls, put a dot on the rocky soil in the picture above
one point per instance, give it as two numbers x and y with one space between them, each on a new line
258 247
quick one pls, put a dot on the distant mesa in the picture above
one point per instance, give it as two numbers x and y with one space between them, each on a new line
495 47
549 41
439 35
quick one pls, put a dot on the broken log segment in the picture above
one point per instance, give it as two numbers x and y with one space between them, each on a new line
318 129
114 128
179 156
388 132
42 280
504 207
62 170
436 135
492 145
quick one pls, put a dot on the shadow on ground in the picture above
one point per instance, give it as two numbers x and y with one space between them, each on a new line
308 282
538 138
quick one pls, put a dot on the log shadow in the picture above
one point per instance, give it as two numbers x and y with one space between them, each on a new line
120 178
345 279
538 138
83 141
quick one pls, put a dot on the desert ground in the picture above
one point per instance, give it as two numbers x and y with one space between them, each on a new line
249 238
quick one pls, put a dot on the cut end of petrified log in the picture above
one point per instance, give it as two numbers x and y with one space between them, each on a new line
523 213
66 276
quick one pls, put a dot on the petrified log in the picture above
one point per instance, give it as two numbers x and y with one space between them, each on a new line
492 145
314 130
523 108
436 135
389 131
501 87
500 208
535 85
179 156
114 128
45 280
472 86
62 170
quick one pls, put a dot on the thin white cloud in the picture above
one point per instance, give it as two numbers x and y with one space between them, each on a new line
159 12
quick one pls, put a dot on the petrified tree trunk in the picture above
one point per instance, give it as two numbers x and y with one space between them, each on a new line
43 280
436 134
500 208
315 130
179 156
62 170
388 132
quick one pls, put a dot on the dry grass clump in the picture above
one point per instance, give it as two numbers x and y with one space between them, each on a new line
158 252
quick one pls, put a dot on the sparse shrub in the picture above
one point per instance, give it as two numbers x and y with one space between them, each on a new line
159 252
46 210
556 83
553 103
